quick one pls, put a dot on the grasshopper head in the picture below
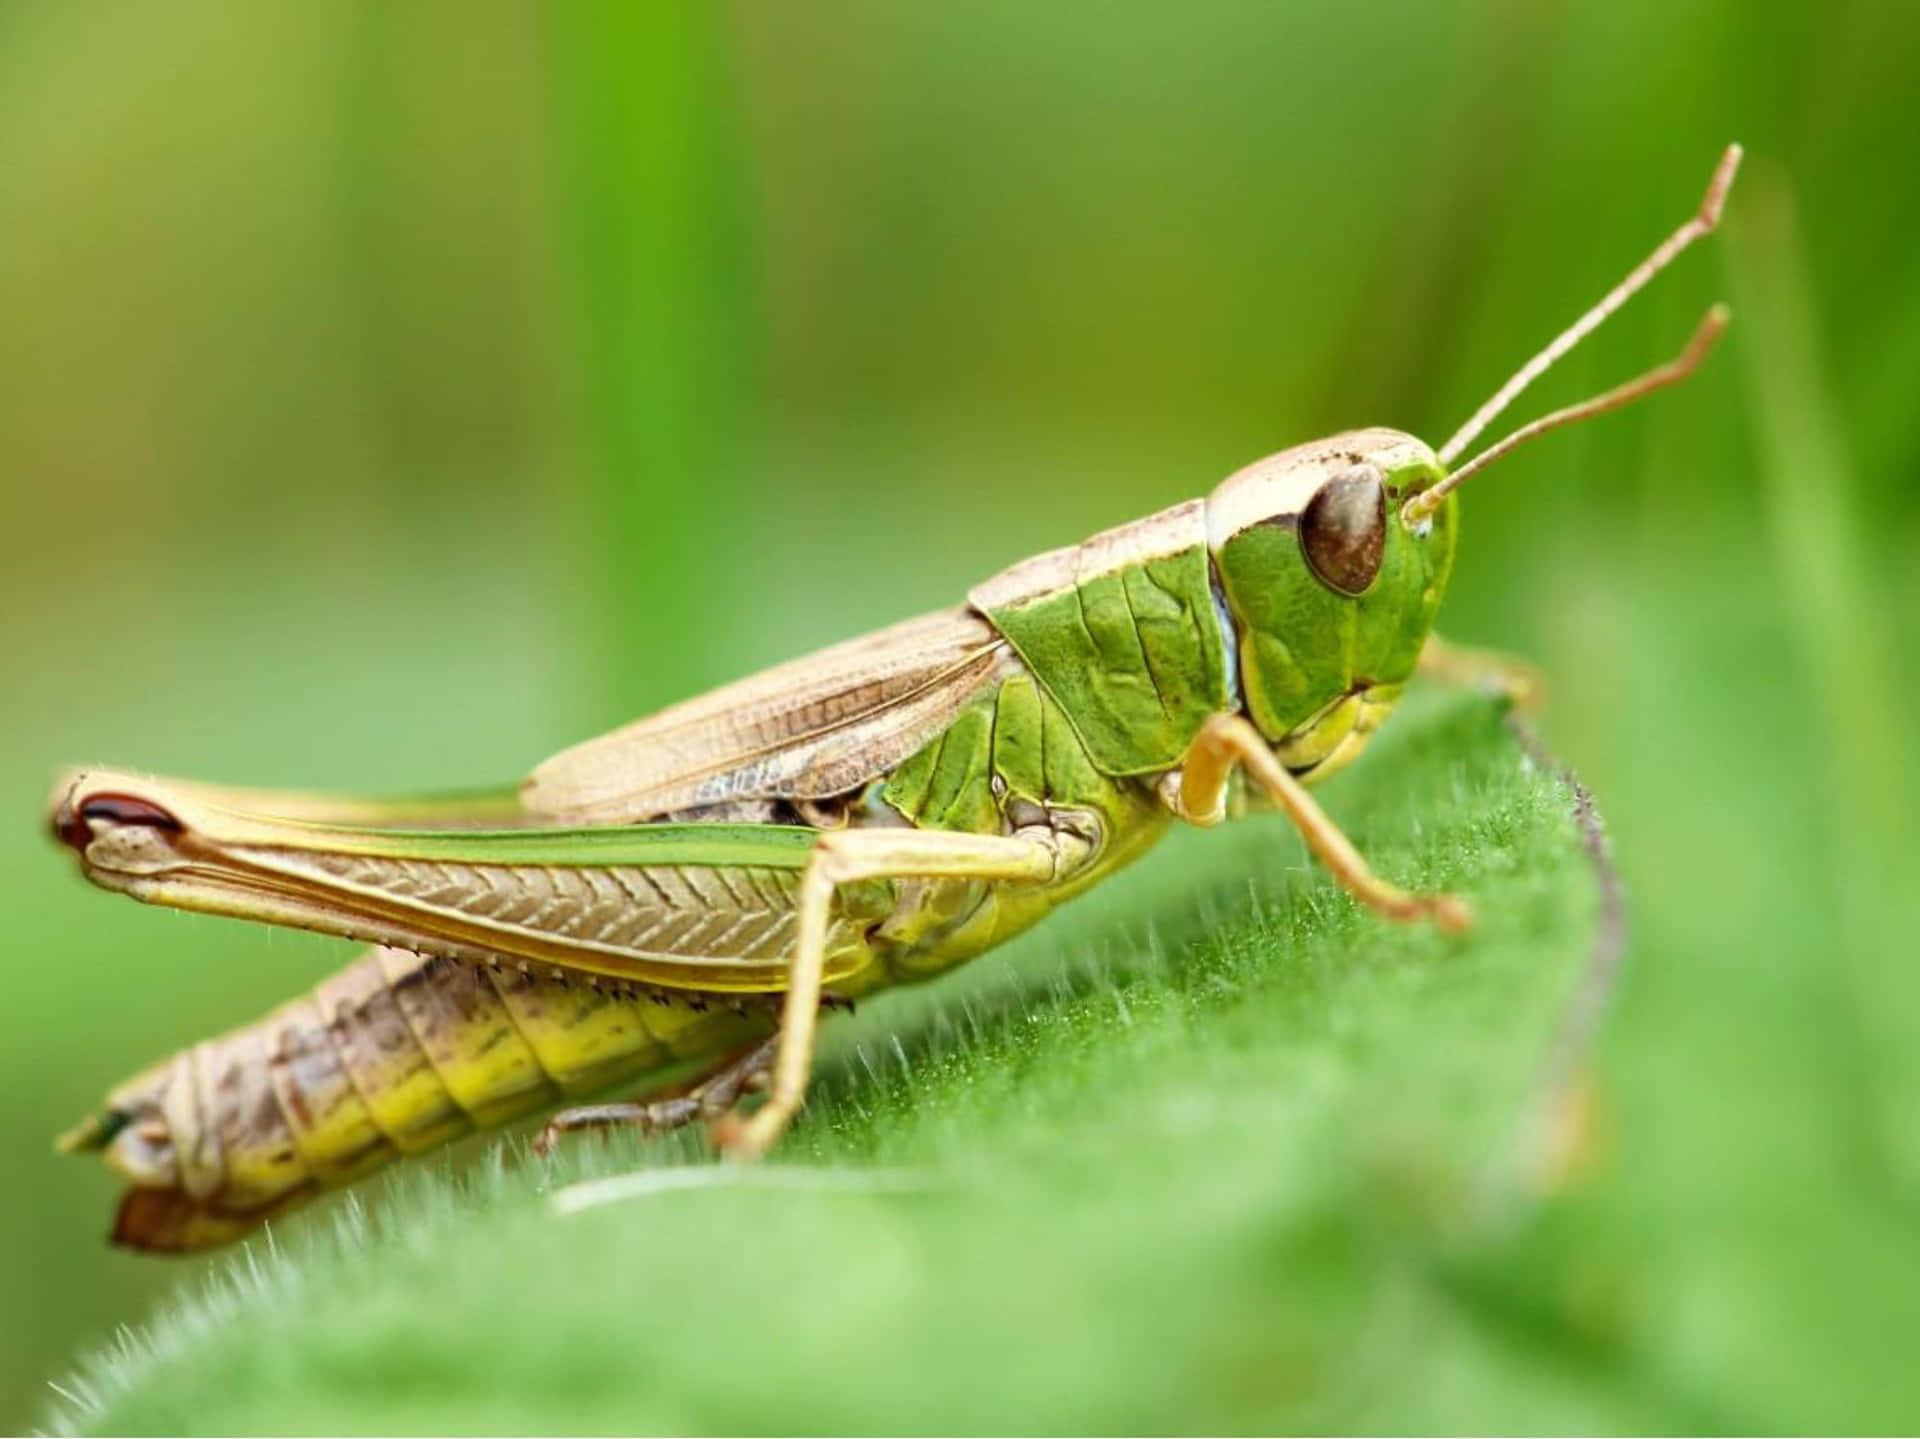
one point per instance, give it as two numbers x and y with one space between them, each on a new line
1331 588
1334 555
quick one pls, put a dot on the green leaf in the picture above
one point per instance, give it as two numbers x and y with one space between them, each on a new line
1212 1150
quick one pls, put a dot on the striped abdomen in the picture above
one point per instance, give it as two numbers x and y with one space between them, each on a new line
393 1055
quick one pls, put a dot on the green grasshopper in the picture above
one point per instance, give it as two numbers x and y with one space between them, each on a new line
689 891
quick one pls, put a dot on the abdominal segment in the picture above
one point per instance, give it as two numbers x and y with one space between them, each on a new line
393 1055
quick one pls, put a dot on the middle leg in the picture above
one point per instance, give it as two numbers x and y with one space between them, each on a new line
708 1098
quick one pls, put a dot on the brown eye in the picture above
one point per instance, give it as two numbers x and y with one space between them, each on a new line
1343 530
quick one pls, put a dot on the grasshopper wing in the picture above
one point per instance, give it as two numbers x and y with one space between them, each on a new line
582 873
693 906
810 729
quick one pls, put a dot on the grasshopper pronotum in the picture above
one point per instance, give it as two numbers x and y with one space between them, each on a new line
693 887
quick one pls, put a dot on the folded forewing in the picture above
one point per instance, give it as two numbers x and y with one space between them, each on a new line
706 906
811 729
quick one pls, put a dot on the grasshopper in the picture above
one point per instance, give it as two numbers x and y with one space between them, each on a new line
688 892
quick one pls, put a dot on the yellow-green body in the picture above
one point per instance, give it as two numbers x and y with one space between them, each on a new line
394 1055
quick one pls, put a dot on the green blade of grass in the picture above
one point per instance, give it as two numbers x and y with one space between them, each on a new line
1842 628
649 174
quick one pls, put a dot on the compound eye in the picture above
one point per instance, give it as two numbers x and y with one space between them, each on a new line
1343 531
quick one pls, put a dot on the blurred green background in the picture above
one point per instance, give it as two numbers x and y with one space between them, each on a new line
392 395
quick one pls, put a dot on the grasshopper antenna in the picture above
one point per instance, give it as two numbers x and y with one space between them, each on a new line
1700 224
1675 370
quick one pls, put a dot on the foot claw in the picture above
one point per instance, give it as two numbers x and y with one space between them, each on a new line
1451 913
744 1137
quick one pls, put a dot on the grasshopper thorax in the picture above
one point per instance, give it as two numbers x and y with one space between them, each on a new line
1330 590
